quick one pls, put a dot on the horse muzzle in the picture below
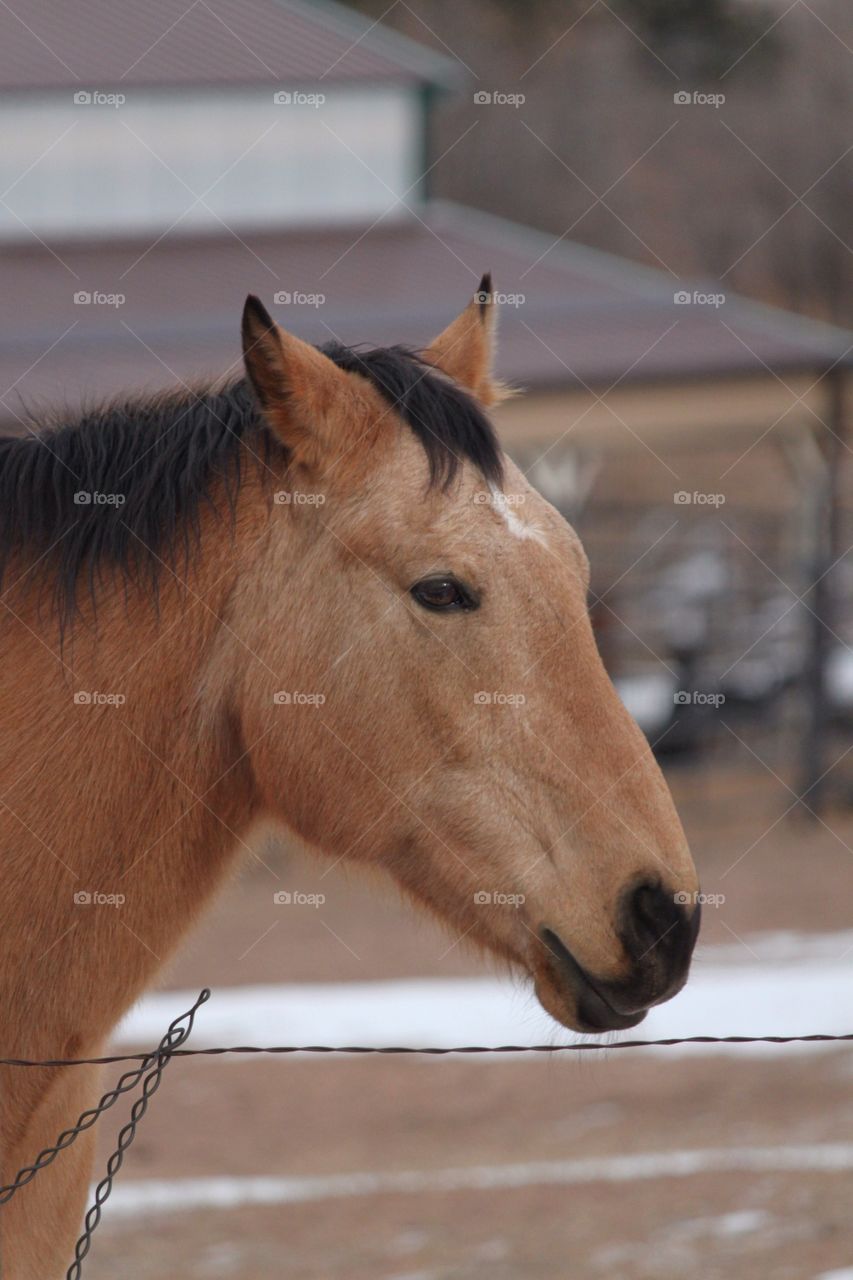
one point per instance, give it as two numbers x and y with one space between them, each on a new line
657 931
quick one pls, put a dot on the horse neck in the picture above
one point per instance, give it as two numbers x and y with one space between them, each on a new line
141 802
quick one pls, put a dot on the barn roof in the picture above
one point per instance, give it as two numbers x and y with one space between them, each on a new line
107 44
578 318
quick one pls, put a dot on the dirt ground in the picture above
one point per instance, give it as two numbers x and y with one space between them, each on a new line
315 1117
309 1118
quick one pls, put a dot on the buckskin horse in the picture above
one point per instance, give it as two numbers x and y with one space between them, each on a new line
321 594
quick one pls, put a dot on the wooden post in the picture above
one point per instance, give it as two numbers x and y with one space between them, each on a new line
826 549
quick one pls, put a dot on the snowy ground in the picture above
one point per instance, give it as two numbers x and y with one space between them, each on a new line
778 984
185 1194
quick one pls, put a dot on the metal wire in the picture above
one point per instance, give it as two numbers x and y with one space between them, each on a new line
175 1036
584 1047
152 1067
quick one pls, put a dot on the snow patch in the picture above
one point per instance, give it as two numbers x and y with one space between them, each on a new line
181 1195
783 985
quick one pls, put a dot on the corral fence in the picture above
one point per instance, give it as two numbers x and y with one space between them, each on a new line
148 1074
721 568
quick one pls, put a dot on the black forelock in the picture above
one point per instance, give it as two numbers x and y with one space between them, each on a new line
449 423
153 462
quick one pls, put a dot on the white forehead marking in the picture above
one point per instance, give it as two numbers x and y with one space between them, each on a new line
513 522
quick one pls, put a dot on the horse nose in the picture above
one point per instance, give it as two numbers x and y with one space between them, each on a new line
658 929
649 916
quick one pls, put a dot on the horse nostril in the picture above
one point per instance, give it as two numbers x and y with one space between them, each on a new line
653 917
658 935
645 901
652 907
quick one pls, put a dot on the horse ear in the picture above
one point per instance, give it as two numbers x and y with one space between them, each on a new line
302 393
465 349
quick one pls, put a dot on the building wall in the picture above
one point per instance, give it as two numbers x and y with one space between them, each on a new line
197 159
675 415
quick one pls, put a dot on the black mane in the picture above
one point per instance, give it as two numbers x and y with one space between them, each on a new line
447 421
148 465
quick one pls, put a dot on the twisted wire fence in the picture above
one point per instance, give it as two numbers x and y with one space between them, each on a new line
149 1073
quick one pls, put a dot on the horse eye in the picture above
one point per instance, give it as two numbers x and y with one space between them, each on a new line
443 593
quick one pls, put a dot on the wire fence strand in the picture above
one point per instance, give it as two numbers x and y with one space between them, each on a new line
177 1034
433 1050
151 1066
150 1073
